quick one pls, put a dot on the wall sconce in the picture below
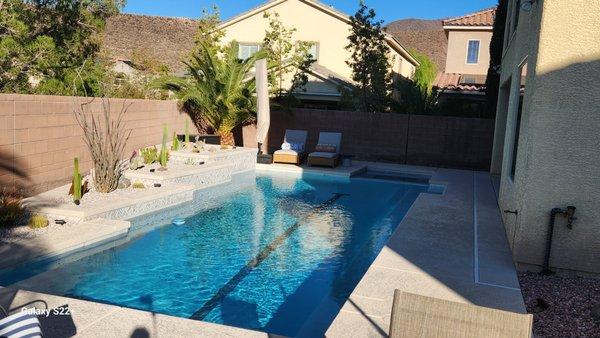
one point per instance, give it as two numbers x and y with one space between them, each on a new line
527 5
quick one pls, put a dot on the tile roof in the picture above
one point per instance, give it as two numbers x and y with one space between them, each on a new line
484 17
460 82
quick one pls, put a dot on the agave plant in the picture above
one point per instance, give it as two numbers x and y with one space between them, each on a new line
218 91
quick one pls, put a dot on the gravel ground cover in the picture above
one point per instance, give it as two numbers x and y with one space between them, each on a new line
562 306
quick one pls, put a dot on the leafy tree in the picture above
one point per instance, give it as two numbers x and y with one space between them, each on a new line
492 83
416 100
425 73
47 45
147 68
286 59
207 33
369 62
219 91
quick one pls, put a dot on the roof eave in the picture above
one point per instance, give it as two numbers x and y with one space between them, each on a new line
468 27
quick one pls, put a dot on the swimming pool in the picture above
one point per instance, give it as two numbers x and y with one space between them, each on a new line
273 253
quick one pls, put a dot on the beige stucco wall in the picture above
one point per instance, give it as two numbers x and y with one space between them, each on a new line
558 159
312 25
456 60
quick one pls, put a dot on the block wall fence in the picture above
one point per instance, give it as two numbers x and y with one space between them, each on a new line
41 136
438 141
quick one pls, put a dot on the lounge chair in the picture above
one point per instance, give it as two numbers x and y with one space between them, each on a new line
327 151
421 316
296 140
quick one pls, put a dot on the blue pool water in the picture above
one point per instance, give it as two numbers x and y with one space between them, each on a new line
278 254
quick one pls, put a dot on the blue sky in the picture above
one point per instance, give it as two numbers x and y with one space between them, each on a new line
388 10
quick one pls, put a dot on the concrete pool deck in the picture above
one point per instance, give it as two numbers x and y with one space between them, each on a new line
450 246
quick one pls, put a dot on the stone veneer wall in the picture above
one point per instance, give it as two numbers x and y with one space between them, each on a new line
432 140
40 134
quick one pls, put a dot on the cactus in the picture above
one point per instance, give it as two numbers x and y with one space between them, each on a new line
175 145
77 191
150 155
38 221
163 148
187 132
138 185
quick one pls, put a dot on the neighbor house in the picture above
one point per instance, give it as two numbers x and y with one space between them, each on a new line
547 139
468 55
328 29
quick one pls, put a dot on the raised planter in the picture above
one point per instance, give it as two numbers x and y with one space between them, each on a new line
242 159
208 139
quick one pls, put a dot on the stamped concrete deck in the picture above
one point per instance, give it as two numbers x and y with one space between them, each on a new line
450 246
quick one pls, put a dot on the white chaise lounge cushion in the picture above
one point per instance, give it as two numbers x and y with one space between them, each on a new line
323 155
22 324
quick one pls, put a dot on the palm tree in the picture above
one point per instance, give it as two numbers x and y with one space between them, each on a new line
219 90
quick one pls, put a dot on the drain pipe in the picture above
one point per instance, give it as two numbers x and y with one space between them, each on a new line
569 213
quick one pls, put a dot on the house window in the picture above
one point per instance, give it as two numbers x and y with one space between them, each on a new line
521 95
313 51
473 52
247 50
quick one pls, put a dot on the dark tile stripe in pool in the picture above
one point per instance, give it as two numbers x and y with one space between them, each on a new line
253 263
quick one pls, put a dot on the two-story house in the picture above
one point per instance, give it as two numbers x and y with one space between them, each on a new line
468 57
546 147
328 29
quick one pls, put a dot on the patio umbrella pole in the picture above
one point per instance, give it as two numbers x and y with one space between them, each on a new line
263 113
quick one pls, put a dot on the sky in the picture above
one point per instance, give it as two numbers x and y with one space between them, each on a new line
387 10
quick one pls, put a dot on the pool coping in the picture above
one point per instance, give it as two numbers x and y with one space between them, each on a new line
363 313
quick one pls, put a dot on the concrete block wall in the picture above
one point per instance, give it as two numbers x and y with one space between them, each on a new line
432 140
41 136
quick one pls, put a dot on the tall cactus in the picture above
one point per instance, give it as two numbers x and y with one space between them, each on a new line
187 132
77 190
163 148
175 144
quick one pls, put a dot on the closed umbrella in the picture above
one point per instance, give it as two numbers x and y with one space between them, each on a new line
263 114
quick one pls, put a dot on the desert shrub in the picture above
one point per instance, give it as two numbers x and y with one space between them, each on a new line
12 212
105 138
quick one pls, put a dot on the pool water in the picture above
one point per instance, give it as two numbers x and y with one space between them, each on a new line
280 255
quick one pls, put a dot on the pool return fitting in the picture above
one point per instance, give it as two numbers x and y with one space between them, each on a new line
569 214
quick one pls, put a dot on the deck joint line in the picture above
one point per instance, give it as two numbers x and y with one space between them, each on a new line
476 241
226 289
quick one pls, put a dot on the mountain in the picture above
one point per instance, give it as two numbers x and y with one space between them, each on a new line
426 36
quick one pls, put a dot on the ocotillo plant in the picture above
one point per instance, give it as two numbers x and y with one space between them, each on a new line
187 132
163 148
76 181
175 145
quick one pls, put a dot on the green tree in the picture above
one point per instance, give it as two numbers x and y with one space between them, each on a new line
369 62
219 90
492 82
208 33
48 45
287 60
425 73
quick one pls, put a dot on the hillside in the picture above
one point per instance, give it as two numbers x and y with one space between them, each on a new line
426 36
